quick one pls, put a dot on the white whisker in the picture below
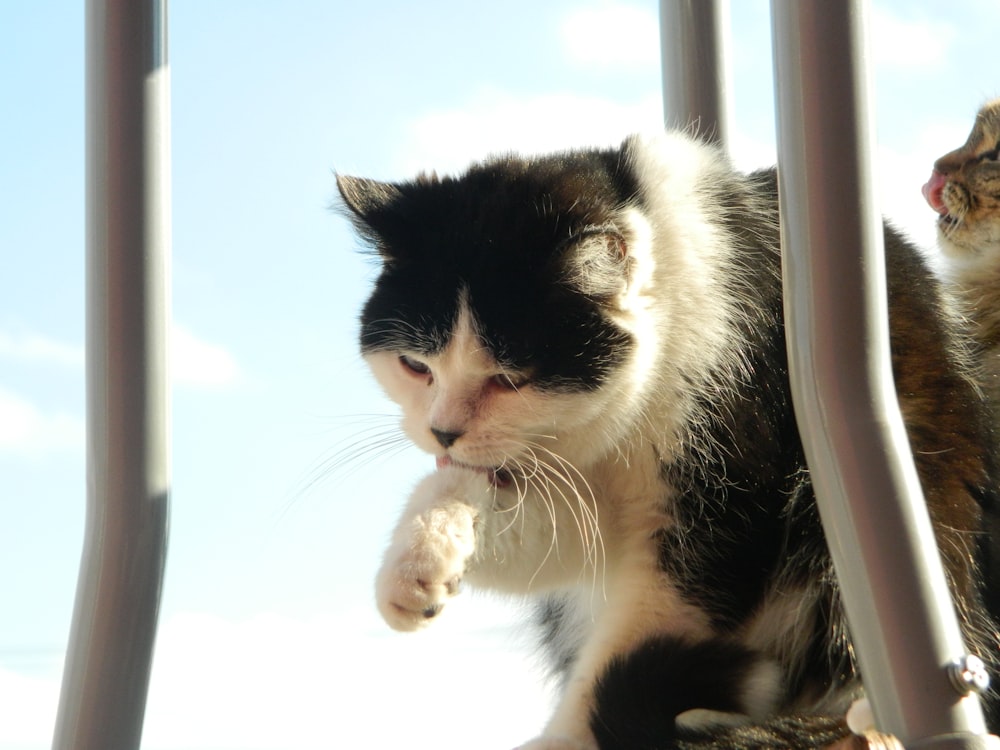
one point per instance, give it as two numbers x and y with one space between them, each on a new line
587 524
554 539
555 480
350 455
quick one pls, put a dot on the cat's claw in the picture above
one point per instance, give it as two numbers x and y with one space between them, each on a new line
423 568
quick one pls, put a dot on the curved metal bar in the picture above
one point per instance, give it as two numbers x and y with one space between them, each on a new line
897 601
694 52
103 698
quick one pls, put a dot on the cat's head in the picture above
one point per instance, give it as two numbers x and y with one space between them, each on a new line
964 189
503 320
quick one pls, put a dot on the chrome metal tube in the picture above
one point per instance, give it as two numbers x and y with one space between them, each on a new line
897 601
108 661
694 50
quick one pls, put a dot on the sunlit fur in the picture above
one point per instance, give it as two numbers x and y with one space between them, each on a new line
968 179
969 225
590 346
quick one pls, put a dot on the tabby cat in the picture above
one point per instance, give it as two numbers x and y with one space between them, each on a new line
591 346
964 189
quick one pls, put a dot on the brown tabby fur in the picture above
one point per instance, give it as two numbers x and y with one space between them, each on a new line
969 232
965 191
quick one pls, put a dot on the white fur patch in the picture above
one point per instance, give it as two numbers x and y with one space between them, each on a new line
860 717
586 489
762 690
557 743
702 718
432 543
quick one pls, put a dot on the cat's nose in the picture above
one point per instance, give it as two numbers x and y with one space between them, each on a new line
447 438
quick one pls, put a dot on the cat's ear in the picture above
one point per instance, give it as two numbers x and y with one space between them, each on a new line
598 262
374 207
366 197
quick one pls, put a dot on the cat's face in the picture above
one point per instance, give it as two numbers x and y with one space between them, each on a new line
965 191
500 321
461 404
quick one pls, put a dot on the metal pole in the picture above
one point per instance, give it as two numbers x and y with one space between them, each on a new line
105 681
897 602
694 51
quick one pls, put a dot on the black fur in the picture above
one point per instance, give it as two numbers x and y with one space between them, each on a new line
640 694
507 234
439 237
748 516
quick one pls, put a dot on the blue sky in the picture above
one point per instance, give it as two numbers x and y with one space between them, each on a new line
269 637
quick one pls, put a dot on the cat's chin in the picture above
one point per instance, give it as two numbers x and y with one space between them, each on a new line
497 477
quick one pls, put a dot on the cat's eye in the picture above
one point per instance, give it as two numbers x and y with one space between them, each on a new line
415 366
993 155
510 381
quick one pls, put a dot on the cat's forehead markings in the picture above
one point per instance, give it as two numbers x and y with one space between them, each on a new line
465 353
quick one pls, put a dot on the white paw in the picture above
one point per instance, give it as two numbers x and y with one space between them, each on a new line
860 717
424 566
556 743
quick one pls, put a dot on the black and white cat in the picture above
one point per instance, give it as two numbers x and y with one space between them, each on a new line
591 345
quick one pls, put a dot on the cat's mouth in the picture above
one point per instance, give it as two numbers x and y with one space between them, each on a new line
933 192
498 477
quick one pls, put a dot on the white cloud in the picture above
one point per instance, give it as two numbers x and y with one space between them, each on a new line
609 35
29 347
749 154
335 682
197 363
908 42
194 361
329 682
613 34
29 710
26 430
499 122
496 122
30 430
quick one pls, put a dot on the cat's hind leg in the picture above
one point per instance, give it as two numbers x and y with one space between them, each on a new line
712 683
717 687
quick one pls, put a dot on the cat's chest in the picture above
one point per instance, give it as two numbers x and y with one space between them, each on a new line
634 495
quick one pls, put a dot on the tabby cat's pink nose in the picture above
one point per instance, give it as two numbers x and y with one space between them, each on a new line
932 192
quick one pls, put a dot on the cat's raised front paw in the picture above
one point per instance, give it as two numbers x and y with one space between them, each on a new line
424 567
